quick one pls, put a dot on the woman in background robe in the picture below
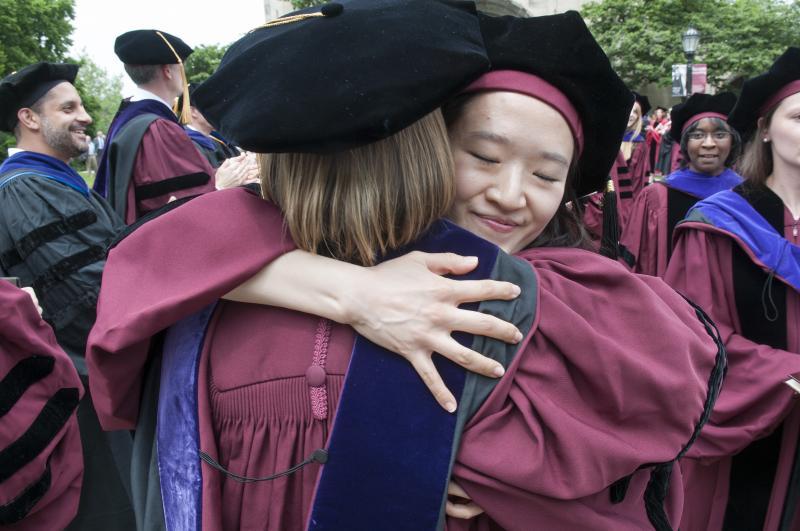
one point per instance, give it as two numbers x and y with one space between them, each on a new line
629 174
737 256
711 146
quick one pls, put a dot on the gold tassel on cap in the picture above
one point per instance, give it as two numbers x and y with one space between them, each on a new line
185 115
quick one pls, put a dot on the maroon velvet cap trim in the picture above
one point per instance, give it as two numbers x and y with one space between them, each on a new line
535 87
782 94
700 116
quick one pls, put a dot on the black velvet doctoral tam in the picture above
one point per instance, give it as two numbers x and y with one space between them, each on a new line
146 47
758 90
644 102
721 103
350 74
25 87
561 50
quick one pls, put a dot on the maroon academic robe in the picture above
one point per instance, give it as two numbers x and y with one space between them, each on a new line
754 401
646 233
166 152
593 395
26 339
630 179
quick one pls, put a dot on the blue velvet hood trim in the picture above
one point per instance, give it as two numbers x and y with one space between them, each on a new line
128 110
45 166
730 212
700 185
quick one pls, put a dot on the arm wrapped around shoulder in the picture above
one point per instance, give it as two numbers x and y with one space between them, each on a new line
619 375
168 269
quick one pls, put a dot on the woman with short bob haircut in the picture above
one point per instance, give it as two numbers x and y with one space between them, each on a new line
737 255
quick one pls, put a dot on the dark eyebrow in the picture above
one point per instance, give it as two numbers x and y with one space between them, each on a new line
500 139
491 137
555 157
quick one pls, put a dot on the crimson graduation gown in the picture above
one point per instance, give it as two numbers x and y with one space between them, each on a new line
737 256
565 439
41 464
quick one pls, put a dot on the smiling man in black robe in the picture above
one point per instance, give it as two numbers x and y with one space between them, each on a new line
54 232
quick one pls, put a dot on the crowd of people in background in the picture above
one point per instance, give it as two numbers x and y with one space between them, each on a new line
458 277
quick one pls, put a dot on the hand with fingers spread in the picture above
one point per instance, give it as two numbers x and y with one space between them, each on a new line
459 504
405 305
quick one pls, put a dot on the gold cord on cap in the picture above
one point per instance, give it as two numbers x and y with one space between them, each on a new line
327 10
185 112
289 20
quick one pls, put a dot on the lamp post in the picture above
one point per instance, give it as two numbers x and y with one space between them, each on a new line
690 39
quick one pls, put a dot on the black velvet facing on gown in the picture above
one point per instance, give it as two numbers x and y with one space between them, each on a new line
23 375
763 320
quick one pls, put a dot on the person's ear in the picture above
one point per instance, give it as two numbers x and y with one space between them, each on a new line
762 129
29 118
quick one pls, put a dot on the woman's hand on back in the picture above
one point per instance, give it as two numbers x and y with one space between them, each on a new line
404 305
407 306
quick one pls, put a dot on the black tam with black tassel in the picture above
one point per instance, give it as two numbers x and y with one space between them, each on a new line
609 243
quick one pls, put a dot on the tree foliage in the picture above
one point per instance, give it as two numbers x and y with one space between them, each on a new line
32 31
739 38
300 4
203 61
100 92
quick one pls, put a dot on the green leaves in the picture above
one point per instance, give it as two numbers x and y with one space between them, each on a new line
32 31
300 4
203 61
100 93
739 38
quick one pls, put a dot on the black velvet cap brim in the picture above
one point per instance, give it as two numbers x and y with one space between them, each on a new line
758 90
26 86
336 82
644 102
699 103
561 50
146 47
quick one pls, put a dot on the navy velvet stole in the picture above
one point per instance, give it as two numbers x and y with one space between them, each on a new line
200 139
628 137
178 429
733 214
702 186
30 162
128 110
391 446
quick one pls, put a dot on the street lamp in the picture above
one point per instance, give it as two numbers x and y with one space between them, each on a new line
691 38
